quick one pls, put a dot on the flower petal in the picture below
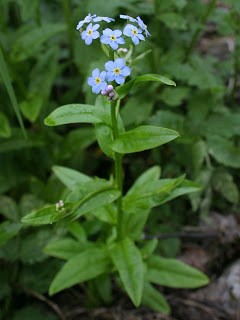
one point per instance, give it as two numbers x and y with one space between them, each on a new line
117 33
95 73
103 75
105 39
135 40
125 71
95 27
120 79
120 63
120 40
88 40
96 88
109 65
113 45
91 81
95 35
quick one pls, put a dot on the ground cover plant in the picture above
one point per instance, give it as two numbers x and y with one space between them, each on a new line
44 63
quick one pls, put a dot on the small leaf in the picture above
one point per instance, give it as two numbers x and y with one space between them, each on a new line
224 151
154 299
143 138
174 273
125 88
83 267
104 138
65 248
69 177
5 129
77 113
128 261
8 231
7 82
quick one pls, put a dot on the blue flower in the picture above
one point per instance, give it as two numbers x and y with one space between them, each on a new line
143 26
90 33
116 70
112 37
97 81
87 19
123 16
106 19
134 33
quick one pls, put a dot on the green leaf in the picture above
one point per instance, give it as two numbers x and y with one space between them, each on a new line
150 175
125 88
65 248
43 72
31 246
154 299
48 215
174 273
104 138
8 231
173 20
128 261
94 200
143 138
83 267
149 247
8 208
30 42
224 151
69 177
174 96
222 182
5 129
78 113
7 82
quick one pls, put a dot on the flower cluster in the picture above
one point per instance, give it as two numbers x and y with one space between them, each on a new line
115 71
113 38
60 205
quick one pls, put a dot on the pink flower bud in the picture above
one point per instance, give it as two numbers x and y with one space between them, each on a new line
103 92
109 88
111 94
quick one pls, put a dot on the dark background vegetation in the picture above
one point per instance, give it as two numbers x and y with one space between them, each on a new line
195 43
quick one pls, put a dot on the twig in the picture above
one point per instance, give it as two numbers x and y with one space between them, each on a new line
42 298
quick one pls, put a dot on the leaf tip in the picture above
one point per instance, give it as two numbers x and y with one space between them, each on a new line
49 121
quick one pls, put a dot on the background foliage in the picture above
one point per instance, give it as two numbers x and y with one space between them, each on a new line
44 64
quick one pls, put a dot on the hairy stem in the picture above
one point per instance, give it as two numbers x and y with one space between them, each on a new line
118 170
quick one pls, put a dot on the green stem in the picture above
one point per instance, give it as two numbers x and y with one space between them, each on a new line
68 16
210 8
118 170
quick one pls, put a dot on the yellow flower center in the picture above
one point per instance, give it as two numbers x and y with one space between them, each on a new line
89 32
117 70
134 31
113 38
97 80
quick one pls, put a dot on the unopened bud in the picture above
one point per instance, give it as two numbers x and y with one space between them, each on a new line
103 92
109 88
111 94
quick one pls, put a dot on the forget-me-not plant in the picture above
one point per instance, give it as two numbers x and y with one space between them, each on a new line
118 244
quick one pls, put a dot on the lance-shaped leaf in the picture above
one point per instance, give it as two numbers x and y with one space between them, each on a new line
143 138
174 273
69 177
65 248
154 299
125 88
78 113
83 267
128 261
